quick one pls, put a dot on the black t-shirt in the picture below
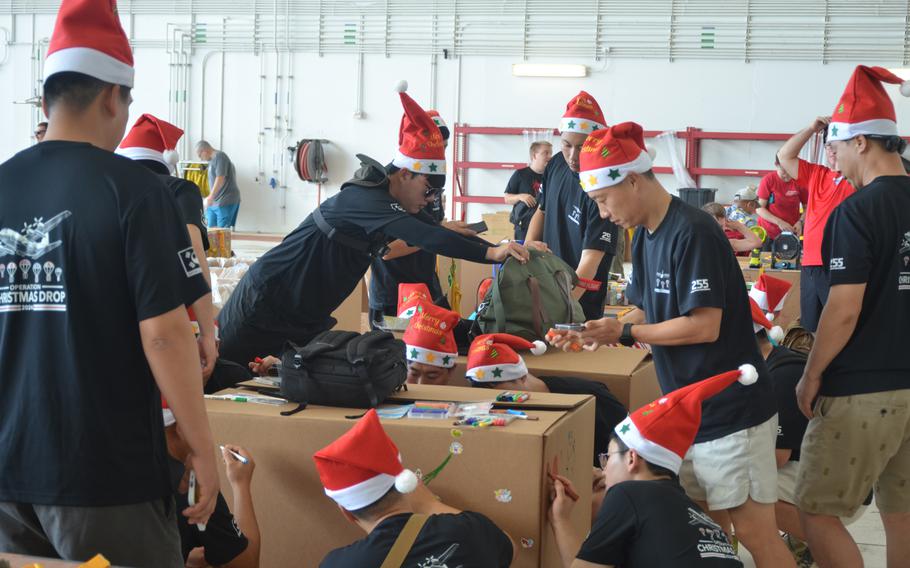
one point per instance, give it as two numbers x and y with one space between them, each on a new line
222 538
786 368
867 240
419 267
300 282
645 524
187 196
572 222
524 181
608 411
467 539
685 264
91 244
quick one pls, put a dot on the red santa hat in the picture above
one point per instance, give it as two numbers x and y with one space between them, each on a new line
583 115
409 295
152 139
88 39
609 156
865 107
362 465
761 322
492 358
664 430
770 293
437 120
421 148
430 336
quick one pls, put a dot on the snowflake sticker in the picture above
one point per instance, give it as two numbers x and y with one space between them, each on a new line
442 325
527 542
456 448
503 495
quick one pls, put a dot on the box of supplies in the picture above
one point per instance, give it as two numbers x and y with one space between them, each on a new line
628 373
219 242
497 471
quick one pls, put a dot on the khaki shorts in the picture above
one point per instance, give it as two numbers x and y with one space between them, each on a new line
726 472
853 444
786 489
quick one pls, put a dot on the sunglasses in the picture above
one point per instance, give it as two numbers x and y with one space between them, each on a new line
432 192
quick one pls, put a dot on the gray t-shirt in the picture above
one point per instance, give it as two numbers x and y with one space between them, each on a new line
221 165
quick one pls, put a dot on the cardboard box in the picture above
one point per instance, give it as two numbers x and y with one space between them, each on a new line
628 373
300 524
349 314
499 222
790 312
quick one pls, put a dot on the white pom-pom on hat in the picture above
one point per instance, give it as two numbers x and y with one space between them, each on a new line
651 150
905 88
539 348
171 157
406 481
769 316
402 86
748 375
776 334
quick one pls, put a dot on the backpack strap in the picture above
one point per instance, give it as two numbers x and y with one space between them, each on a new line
537 316
357 351
405 541
499 310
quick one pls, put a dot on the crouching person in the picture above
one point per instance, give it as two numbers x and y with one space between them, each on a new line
405 524
646 518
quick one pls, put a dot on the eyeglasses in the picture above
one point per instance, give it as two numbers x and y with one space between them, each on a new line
432 191
605 456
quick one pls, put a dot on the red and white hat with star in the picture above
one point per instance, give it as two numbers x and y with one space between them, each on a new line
761 322
492 358
89 39
865 107
409 295
770 294
421 148
664 430
362 465
583 115
430 336
152 139
609 156
437 120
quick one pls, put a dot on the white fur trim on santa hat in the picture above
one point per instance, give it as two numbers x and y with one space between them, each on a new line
600 178
430 356
420 166
539 347
364 493
89 62
406 481
139 153
579 125
507 372
747 374
651 451
401 86
876 127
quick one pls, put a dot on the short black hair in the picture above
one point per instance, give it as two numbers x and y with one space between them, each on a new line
76 90
657 470
889 143
375 509
776 159
42 123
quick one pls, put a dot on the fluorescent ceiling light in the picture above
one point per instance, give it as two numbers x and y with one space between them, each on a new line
549 70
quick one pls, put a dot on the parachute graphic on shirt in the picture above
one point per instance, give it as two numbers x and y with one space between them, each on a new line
33 241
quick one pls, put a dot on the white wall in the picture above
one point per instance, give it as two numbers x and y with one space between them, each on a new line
713 95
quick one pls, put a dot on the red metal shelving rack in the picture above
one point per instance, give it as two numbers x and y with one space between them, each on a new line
693 137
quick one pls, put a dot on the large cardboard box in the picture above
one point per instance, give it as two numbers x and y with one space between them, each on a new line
349 313
628 373
790 312
500 472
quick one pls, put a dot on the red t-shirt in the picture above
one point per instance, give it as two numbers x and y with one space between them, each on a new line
827 189
783 199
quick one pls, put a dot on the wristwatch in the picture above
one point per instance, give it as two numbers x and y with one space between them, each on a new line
625 338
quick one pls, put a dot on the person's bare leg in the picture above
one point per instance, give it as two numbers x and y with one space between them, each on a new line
787 516
830 543
897 539
756 529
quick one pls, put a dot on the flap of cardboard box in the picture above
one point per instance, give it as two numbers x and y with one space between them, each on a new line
608 360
